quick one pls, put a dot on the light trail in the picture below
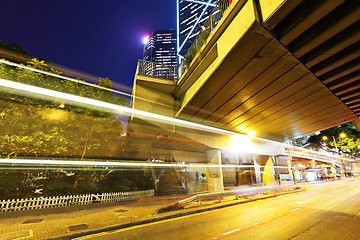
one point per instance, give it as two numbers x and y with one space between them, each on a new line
63 77
202 3
119 164
117 108
235 230
75 80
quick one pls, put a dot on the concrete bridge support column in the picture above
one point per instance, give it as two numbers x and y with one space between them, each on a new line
289 165
313 163
257 171
214 175
332 169
269 172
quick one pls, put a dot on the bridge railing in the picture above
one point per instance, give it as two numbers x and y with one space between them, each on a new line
204 32
154 69
325 155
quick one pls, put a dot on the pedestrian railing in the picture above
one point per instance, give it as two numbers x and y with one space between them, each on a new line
238 193
159 70
62 201
203 32
324 155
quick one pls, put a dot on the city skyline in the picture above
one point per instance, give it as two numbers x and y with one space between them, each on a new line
99 39
160 47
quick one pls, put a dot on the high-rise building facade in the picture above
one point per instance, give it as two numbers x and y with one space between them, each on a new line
191 16
161 48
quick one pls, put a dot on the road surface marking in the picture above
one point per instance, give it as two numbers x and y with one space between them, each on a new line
295 209
177 218
232 231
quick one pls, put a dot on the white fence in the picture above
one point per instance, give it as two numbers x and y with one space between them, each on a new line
61 201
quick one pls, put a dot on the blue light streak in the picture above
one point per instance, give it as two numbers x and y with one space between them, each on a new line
207 4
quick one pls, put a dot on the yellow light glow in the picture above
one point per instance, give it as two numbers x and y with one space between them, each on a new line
241 143
62 106
251 133
324 137
240 127
342 135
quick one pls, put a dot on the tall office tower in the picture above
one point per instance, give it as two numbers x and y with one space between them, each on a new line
161 48
191 15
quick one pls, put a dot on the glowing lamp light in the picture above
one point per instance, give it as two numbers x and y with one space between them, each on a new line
146 39
241 143
251 133
342 135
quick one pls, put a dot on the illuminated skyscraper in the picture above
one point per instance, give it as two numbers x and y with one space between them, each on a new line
191 15
161 48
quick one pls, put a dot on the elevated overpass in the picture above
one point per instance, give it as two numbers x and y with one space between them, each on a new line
227 158
283 68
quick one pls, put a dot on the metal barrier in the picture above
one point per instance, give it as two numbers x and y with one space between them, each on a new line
244 192
62 201
154 69
205 30
323 155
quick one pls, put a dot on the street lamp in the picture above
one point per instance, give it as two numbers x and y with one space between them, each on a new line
326 138
251 133
342 135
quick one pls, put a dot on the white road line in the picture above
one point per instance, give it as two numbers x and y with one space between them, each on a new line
232 231
295 209
301 202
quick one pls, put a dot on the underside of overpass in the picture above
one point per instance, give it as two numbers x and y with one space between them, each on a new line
281 68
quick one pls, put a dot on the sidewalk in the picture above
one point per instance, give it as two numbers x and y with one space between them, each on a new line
56 222
69 222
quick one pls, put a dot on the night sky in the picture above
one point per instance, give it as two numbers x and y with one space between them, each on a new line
103 38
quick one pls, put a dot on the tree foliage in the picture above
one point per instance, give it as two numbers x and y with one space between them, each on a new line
42 128
15 47
37 127
350 146
331 139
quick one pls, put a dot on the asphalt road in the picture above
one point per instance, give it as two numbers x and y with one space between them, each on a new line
325 211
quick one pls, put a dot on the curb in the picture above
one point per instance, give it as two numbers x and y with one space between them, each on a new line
126 225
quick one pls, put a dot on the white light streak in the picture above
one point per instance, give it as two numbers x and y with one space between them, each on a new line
64 77
194 26
97 103
202 3
232 231
117 108
115 164
177 30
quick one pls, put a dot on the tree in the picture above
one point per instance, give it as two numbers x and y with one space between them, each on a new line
39 127
347 145
343 139
14 47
